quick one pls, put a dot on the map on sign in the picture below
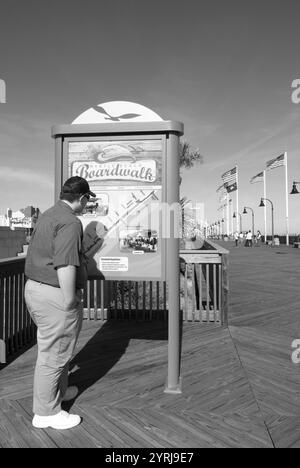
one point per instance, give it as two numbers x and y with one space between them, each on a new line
119 234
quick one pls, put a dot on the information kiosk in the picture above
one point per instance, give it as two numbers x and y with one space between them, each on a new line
130 157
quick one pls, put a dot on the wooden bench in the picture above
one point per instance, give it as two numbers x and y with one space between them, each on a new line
297 245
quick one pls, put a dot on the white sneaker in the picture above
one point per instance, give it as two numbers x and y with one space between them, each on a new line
71 394
60 421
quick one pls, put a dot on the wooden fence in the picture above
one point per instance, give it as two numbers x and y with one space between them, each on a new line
16 327
204 297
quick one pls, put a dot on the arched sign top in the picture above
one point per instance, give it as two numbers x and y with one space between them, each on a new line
117 111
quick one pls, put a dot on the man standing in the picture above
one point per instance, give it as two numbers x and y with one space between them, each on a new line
236 238
56 272
241 238
249 239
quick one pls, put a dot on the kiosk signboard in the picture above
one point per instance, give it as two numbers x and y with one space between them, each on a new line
120 223
130 157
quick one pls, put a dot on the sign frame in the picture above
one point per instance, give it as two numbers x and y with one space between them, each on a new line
66 175
172 131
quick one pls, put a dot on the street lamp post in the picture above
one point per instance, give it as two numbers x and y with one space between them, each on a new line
241 220
262 205
253 217
295 191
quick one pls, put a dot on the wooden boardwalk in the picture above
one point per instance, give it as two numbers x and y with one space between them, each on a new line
264 320
240 388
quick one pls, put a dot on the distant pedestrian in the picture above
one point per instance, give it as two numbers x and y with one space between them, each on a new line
258 239
236 238
241 238
249 239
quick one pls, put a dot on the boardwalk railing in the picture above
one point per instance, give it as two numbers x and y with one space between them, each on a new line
204 297
16 327
205 284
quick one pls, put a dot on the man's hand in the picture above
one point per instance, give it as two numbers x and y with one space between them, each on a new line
72 304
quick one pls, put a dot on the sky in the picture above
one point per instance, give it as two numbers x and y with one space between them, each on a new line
224 69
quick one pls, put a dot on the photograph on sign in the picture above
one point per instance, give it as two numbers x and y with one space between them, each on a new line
98 206
120 235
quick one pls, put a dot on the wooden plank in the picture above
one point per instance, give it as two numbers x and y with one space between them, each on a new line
24 311
20 310
9 315
2 322
89 300
130 300
220 293
200 286
109 312
102 298
151 300
215 292
16 430
193 292
225 290
201 259
26 326
144 300
136 300
157 296
16 313
207 294
186 298
96 300
121 289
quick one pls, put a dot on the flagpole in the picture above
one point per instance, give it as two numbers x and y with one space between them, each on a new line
231 217
237 201
265 209
287 199
228 228
223 219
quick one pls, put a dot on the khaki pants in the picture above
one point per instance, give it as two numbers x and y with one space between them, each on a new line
58 332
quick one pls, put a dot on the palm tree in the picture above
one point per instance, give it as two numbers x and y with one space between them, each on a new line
188 158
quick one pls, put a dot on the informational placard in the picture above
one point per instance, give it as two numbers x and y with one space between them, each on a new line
121 235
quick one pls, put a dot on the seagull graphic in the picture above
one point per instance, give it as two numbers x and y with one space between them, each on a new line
118 118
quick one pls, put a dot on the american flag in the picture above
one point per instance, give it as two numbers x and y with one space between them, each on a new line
230 177
258 178
277 162
231 187
223 193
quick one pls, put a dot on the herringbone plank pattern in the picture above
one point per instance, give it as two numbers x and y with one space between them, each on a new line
264 321
240 388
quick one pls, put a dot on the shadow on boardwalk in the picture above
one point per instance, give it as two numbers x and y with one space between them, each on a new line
107 347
